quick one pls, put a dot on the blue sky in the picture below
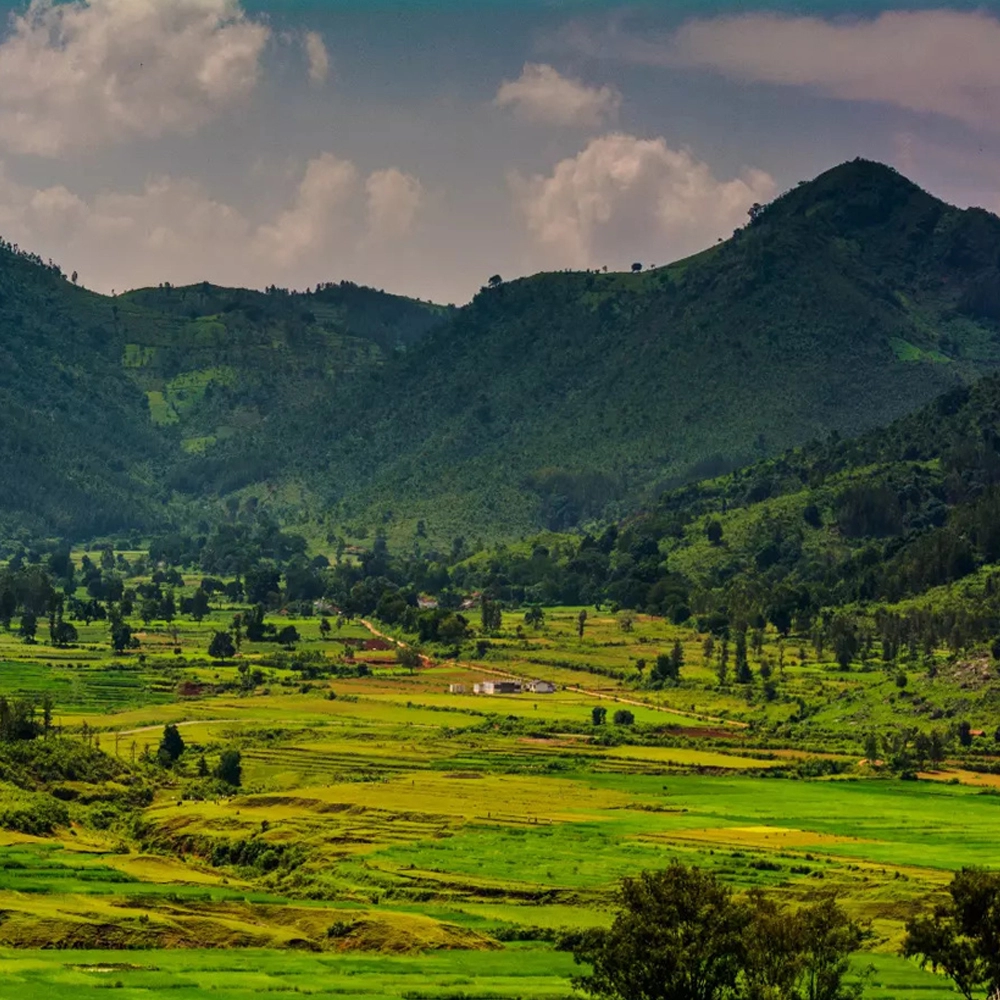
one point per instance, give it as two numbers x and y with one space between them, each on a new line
422 146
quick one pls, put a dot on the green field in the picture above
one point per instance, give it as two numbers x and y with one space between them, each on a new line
392 838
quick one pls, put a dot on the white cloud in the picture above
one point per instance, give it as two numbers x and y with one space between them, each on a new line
933 61
624 197
541 94
319 58
325 195
172 229
80 74
394 199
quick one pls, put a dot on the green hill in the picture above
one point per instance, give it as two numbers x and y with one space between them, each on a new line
547 402
851 300
102 399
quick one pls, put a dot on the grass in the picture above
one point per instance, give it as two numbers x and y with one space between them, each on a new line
422 820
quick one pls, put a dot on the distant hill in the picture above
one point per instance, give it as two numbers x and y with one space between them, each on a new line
546 402
102 399
847 302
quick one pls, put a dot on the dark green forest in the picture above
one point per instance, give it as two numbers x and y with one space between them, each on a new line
556 402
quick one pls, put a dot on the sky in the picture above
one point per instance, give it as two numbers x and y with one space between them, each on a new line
422 146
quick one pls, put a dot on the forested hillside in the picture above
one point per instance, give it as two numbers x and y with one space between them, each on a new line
103 399
548 402
846 303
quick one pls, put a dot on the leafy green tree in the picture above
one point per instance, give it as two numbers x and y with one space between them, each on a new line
230 768
408 658
743 672
581 621
962 936
171 744
626 620
677 935
623 717
534 616
598 715
203 771
713 532
199 606
288 636
29 627
325 628
222 647
121 636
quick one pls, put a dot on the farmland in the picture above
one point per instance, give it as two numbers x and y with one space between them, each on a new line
391 838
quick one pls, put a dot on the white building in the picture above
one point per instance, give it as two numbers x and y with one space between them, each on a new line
498 687
456 689
541 687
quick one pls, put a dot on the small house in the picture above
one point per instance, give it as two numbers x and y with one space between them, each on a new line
498 687
457 688
541 687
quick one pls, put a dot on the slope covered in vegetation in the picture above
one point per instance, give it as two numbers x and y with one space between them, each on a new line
848 302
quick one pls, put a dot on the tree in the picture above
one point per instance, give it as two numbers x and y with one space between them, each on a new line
199 607
680 934
623 717
677 935
534 616
288 636
230 768
490 615
222 647
581 621
598 714
743 672
495 281
636 267
408 658
626 621
965 733
324 628
171 744
29 626
962 936
713 531
203 771
121 637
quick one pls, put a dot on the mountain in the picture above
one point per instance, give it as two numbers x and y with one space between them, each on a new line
102 399
849 301
545 403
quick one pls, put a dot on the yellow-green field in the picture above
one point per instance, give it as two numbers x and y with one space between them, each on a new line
391 838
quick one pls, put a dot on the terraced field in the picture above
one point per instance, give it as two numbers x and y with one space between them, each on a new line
393 839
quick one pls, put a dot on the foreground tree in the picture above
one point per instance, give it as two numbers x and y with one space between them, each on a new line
680 934
677 935
962 936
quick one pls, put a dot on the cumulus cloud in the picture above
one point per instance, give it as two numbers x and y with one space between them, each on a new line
933 61
173 229
321 205
319 58
85 72
394 198
542 94
623 196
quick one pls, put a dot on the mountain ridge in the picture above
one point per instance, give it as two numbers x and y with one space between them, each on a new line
550 400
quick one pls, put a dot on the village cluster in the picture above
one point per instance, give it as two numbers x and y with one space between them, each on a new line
506 686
